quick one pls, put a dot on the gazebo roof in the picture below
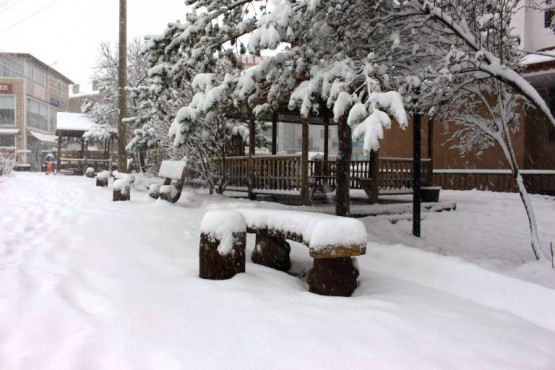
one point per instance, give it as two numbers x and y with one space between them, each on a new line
67 121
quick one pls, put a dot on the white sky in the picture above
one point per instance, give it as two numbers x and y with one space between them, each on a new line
65 34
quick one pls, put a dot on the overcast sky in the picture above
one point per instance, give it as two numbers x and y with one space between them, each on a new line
65 34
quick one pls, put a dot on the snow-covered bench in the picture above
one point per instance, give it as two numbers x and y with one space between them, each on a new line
170 171
332 241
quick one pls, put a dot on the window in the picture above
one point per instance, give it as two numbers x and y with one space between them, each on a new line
37 114
548 16
11 66
7 110
7 140
36 74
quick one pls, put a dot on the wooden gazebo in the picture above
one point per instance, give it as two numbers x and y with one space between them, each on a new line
73 126
303 176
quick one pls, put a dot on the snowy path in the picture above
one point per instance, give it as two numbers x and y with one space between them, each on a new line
86 283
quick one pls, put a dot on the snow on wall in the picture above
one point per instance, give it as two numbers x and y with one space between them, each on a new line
172 169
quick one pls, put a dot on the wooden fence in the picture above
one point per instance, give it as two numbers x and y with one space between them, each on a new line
536 181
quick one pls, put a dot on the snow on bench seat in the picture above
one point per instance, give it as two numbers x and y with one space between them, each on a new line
325 235
172 169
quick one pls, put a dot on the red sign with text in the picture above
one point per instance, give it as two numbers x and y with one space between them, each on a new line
6 88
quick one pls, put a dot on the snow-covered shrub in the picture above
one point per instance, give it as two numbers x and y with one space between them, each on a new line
7 164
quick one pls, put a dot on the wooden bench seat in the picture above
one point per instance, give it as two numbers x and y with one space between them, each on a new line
332 241
171 171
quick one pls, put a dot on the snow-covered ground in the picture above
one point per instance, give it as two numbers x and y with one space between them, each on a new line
87 283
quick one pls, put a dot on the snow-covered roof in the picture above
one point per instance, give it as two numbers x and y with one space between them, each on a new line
546 56
73 121
8 131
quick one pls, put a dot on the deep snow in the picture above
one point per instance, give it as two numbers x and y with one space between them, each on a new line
87 283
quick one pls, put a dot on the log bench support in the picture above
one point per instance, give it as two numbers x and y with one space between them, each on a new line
122 194
102 181
217 266
333 276
271 251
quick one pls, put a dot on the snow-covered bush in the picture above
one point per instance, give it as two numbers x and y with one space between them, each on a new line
7 164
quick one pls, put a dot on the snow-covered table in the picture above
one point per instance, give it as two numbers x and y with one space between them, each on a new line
332 241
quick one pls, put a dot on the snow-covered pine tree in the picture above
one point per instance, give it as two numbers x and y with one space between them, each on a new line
326 58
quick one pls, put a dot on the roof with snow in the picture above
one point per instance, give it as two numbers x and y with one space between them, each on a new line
73 122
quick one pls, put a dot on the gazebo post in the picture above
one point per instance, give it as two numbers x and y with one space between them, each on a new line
305 190
374 175
82 154
110 143
274 131
86 142
58 160
326 139
252 146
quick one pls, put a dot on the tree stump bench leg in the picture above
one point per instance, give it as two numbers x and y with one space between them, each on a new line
333 276
102 181
272 251
217 266
122 194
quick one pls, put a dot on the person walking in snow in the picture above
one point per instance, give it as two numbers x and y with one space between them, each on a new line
49 161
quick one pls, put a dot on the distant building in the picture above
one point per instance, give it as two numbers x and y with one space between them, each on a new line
31 95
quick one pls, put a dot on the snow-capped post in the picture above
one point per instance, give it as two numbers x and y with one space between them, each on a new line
122 188
223 238
102 178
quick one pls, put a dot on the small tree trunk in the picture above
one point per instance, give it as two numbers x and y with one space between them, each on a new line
343 164
506 145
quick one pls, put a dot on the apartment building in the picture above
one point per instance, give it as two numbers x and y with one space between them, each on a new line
31 95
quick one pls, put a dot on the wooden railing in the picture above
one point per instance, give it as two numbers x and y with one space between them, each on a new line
284 172
90 154
269 172
396 173
535 181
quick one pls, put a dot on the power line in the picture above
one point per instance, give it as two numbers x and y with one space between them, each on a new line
29 16
6 5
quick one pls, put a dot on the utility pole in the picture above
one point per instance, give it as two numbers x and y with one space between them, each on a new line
122 82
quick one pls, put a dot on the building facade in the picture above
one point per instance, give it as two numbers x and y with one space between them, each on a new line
31 95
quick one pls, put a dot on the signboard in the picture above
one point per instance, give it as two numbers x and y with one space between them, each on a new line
39 92
54 102
6 88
